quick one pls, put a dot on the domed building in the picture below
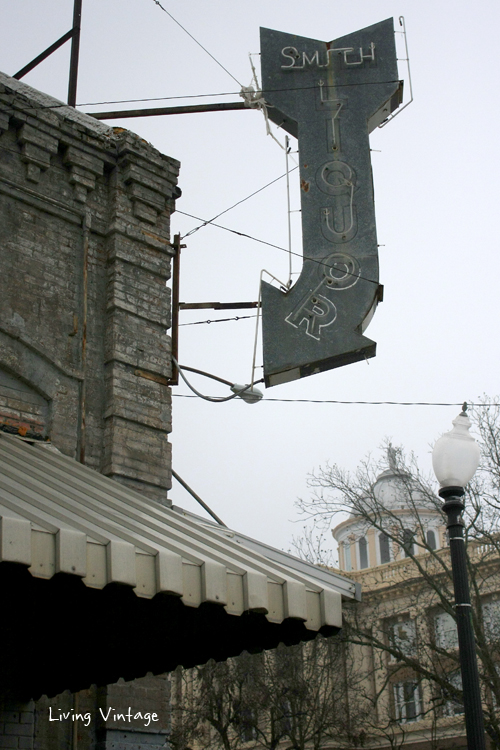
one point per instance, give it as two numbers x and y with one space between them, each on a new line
399 505
403 637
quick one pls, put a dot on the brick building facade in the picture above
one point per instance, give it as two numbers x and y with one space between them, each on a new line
102 581
84 306
84 357
395 544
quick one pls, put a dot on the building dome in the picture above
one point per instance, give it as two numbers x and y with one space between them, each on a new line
395 493
395 489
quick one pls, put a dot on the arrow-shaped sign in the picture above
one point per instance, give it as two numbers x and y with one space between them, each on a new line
330 95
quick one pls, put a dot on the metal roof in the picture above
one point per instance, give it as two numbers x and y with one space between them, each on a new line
330 576
126 586
58 516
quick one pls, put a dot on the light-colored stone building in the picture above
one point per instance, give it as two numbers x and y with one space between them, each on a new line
403 613
362 547
391 678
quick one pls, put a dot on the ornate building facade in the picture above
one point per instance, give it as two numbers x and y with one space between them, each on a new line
404 633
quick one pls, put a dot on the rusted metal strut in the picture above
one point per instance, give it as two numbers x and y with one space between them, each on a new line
188 109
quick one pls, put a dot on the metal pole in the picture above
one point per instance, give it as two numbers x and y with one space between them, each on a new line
198 498
474 720
75 51
186 110
176 271
43 55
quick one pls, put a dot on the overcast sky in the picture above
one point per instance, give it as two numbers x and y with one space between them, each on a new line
436 174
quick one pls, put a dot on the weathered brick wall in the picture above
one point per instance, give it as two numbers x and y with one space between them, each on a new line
17 724
22 409
84 307
84 356
124 716
52 733
122 703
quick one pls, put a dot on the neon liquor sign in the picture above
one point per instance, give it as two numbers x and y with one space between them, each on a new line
329 95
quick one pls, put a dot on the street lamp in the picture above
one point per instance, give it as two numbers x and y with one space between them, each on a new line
248 393
455 459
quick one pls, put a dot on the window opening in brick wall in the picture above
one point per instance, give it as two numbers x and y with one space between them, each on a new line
452 706
248 724
491 617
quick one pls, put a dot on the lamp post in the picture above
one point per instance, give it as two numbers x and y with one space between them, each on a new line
455 459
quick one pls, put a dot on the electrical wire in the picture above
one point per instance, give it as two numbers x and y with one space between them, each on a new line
60 105
157 2
217 320
366 403
277 247
223 93
233 231
360 403
205 223
211 222
212 399
156 99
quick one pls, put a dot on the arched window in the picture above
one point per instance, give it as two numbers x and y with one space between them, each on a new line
363 552
347 556
431 539
385 552
408 543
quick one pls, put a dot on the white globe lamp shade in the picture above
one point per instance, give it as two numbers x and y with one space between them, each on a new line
456 455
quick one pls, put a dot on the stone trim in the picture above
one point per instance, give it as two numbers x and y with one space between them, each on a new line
103 285
36 149
84 168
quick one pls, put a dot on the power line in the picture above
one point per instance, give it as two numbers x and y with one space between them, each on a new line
192 231
156 2
211 222
366 403
59 105
156 99
233 231
255 239
270 244
359 403
223 93
217 320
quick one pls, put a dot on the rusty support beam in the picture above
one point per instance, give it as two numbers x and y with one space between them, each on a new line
189 109
176 271
43 55
197 498
75 52
217 305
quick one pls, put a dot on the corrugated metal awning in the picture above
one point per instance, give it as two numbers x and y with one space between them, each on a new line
65 528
